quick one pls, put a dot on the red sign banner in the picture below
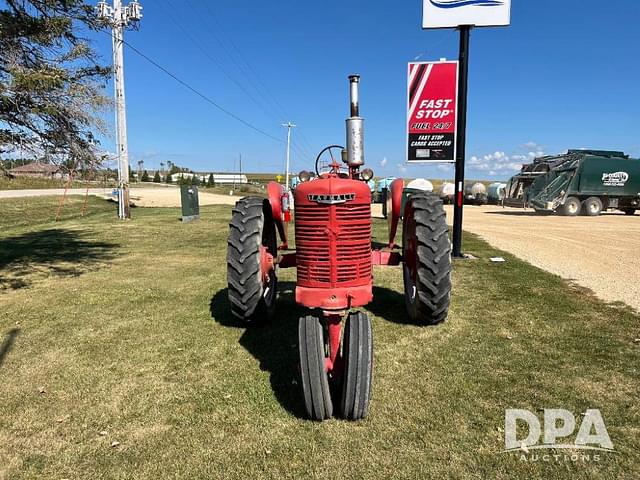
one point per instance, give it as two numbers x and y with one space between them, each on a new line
432 111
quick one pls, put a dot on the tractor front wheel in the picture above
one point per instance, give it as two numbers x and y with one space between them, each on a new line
313 369
427 259
357 352
252 245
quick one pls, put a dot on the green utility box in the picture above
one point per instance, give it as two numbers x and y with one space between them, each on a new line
190 203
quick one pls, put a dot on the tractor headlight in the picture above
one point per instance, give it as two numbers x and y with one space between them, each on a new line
304 176
366 174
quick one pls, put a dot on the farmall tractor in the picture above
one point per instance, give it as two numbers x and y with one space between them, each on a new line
334 260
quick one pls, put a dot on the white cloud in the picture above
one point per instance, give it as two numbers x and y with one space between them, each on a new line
531 146
402 168
383 162
499 163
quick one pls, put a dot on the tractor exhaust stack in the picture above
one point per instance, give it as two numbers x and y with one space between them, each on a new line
355 126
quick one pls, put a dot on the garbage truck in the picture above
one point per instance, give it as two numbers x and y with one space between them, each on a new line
585 182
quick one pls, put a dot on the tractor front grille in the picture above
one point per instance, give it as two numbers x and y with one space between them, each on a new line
333 244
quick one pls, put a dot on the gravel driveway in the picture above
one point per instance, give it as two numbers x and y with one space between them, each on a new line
600 253
142 197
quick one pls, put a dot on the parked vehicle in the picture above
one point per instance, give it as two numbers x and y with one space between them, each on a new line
496 193
475 194
381 193
447 192
584 182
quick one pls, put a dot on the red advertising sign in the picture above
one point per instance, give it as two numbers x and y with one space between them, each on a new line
432 111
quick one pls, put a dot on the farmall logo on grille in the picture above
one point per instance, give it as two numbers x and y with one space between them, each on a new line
331 199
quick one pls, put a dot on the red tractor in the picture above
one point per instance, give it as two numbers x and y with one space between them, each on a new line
334 260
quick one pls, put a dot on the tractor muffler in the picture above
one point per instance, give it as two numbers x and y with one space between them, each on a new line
355 127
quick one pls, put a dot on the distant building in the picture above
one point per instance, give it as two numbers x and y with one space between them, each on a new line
229 178
218 178
177 176
37 169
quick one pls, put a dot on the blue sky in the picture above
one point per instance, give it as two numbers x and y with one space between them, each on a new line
564 75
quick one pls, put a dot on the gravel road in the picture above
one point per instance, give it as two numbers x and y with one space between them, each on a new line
141 197
599 253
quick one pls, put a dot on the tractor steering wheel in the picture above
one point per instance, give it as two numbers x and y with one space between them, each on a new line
324 166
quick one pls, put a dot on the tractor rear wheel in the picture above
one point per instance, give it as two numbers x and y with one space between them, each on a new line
313 369
571 207
357 354
592 207
427 259
252 244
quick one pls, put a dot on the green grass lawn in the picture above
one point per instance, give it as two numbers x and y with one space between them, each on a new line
37 183
119 333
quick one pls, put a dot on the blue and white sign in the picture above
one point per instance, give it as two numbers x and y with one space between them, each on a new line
453 13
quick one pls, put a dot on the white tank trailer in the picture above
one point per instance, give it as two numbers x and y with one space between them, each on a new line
475 194
421 184
446 192
496 193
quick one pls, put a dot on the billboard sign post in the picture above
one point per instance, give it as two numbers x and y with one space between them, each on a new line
432 99
454 13
464 15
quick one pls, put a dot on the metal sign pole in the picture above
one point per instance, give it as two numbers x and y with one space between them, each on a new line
463 75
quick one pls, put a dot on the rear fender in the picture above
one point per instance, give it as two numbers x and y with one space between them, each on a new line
275 191
394 214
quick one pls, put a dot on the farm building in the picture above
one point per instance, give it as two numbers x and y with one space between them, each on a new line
37 169
229 178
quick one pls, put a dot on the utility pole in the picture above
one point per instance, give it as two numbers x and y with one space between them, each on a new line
234 174
289 126
119 18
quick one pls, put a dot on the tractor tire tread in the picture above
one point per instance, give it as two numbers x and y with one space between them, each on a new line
434 259
243 260
315 382
358 370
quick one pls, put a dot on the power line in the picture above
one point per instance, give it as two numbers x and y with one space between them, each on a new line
202 95
250 75
215 61
294 145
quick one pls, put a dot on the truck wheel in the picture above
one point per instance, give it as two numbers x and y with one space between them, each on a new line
592 207
571 207
251 246
427 259
629 211
357 352
313 369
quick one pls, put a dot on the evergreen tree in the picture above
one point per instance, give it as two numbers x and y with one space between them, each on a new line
51 84
195 180
167 178
156 177
211 182
145 176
